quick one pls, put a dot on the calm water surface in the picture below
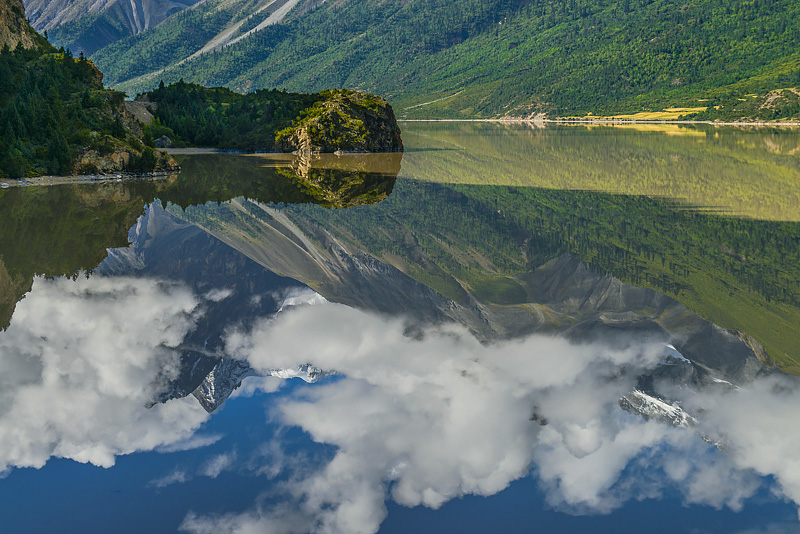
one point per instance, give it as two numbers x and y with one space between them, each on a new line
507 329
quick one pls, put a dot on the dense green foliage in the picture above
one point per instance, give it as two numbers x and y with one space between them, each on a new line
52 108
346 121
46 110
772 105
267 120
221 118
495 57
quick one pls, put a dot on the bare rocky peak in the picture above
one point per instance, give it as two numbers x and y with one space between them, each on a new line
137 15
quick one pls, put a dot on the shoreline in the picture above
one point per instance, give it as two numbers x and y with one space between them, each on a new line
34 181
614 122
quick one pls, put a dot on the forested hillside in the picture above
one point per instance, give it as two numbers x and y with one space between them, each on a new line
56 118
487 58
55 115
192 115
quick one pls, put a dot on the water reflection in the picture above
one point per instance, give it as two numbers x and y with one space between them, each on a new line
62 230
59 231
327 180
78 364
426 420
452 339
753 173
419 420
510 259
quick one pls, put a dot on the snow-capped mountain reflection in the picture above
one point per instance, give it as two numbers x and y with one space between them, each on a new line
421 409
417 419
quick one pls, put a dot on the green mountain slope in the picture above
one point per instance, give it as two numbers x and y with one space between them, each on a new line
489 58
209 24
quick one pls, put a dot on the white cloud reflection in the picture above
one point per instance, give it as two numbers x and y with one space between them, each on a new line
77 366
420 420
215 466
758 420
423 421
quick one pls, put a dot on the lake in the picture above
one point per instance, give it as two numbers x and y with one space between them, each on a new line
507 328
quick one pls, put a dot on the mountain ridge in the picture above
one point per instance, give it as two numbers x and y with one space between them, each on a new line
87 25
493 58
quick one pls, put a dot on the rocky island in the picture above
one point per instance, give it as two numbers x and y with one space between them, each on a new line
346 121
186 114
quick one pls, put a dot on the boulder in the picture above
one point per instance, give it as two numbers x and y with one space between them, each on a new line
343 121
163 142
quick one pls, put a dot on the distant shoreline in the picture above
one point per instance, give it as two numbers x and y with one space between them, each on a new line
612 122
32 181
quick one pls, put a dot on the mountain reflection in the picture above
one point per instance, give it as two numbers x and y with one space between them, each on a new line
65 229
451 339
513 261
417 419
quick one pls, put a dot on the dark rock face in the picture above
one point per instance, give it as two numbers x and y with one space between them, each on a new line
346 121
94 24
163 142
14 28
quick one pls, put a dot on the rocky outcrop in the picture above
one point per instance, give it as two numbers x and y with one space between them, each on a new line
14 28
346 121
113 155
92 162
139 109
